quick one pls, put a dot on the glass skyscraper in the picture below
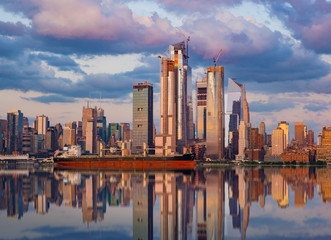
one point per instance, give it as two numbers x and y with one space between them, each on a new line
142 112
215 112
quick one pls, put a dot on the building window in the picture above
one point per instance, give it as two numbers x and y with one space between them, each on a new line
140 126
139 109
140 89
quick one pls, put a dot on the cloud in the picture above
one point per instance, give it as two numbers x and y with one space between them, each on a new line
270 106
315 107
309 21
11 29
51 99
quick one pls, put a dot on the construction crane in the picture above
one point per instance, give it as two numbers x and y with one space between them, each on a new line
186 38
215 59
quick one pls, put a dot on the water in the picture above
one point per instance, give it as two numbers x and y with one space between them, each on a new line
224 203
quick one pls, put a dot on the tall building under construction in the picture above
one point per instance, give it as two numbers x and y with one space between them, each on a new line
176 110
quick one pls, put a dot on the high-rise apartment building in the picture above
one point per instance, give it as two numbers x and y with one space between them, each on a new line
3 134
243 141
201 111
285 127
69 134
277 141
14 131
299 133
90 115
215 112
142 113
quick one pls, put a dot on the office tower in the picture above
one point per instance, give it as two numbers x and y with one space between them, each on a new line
245 107
234 114
299 133
125 131
50 139
79 129
182 70
310 138
215 112
284 125
14 131
263 133
69 134
3 134
243 139
176 100
41 125
101 124
142 113
168 109
90 115
114 129
277 141
142 201
201 111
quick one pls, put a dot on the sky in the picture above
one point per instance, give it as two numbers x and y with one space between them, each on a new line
55 56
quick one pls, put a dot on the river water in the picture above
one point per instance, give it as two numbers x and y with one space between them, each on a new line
218 203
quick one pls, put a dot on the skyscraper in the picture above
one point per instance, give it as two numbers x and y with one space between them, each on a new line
41 125
90 115
299 133
101 124
310 138
215 112
235 112
176 120
277 141
168 108
142 112
14 131
201 118
262 132
182 72
125 131
284 125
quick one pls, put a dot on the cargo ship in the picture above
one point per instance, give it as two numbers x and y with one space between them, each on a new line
180 162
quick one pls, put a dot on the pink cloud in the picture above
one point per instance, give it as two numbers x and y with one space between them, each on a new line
85 19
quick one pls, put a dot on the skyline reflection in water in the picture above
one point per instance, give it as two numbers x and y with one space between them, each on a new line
227 203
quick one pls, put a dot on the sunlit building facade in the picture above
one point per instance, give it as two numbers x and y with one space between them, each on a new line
215 112
285 127
300 133
176 108
277 141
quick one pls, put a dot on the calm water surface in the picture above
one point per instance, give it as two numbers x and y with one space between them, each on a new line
225 203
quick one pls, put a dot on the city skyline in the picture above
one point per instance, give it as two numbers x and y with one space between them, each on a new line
279 53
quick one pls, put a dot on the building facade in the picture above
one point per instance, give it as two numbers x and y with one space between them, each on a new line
215 112
142 112
14 131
